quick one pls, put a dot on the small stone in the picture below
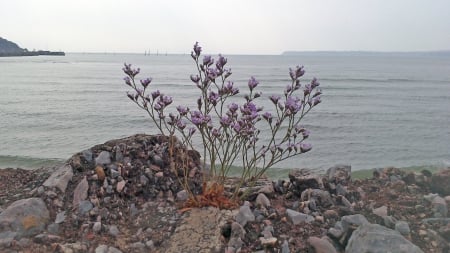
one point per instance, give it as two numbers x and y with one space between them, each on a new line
81 192
245 215
150 244
60 178
60 217
439 207
182 195
114 173
120 185
103 158
97 227
159 174
285 247
85 206
297 217
53 228
380 211
101 249
113 230
403 228
143 180
100 172
262 200
268 241
138 246
422 232
389 221
320 219
321 245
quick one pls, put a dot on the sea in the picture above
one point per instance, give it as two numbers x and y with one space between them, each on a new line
377 110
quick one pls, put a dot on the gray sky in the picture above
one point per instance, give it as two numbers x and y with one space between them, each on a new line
230 27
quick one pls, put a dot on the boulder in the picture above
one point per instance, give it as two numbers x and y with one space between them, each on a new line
60 178
439 182
26 217
303 179
375 238
339 174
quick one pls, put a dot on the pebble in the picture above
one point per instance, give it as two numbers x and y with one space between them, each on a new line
402 227
97 227
262 200
60 217
85 206
120 186
380 211
103 158
245 215
321 245
297 217
113 230
100 172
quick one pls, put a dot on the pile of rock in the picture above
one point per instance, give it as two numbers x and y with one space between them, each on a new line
125 196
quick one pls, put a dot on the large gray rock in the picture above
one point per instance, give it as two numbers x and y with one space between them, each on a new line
60 178
374 238
26 217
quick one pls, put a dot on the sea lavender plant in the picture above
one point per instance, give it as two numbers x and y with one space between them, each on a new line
230 131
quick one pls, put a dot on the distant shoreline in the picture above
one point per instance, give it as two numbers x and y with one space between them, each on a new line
33 53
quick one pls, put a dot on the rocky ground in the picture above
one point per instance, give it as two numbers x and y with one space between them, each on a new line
122 196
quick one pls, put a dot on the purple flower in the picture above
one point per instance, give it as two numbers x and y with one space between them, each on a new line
296 73
225 121
208 60
267 116
252 83
211 73
274 99
221 62
314 83
213 97
305 147
166 100
146 82
130 71
197 50
307 90
182 110
195 78
227 73
228 89
127 80
316 101
292 104
233 107
305 134
215 133
181 124
155 94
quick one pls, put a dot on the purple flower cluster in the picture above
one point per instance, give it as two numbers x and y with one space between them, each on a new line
229 128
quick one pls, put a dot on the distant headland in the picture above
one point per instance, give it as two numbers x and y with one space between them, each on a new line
9 48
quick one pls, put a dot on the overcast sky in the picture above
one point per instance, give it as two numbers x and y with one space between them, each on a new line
230 27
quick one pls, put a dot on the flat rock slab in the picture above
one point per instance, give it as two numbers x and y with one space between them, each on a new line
26 217
199 232
374 238
60 178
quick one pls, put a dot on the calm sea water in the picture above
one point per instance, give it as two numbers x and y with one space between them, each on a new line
378 110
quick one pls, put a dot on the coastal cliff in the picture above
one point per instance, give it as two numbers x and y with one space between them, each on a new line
9 48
